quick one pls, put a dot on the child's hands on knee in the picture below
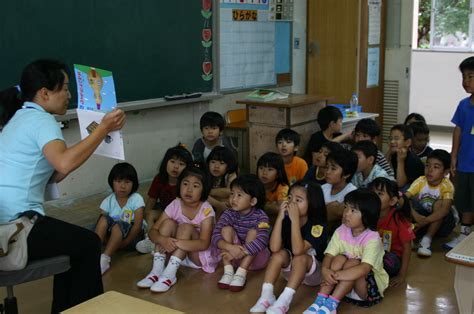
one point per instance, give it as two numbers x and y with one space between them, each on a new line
329 276
237 251
169 244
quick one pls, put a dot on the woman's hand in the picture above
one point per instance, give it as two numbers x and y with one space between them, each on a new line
113 120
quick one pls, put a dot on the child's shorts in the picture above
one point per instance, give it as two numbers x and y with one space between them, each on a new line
124 226
373 294
259 262
447 226
313 276
464 196
391 263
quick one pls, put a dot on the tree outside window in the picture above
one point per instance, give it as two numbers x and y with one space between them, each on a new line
444 24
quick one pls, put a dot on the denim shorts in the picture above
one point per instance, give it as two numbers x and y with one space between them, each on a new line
449 222
124 226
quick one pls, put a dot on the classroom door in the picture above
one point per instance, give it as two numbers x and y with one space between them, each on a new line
333 28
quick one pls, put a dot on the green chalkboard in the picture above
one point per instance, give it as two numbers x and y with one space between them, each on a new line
153 47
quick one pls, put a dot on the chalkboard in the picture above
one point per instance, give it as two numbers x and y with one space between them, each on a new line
153 47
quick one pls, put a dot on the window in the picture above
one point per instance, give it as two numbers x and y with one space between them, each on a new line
445 25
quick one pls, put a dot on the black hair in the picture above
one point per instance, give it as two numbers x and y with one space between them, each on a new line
332 146
419 127
327 115
123 171
346 159
199 171
288 134
178 152
406 130
441 155
368 126
416 116
251 185
368 148
274 160
403 212
36 75
317 213
221 153
212 119
368 203
467 64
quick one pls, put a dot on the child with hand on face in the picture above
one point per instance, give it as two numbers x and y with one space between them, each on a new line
406 165
120 222
353 262
242 232
395 229
183 232
271 172
223 170
317 172
298 241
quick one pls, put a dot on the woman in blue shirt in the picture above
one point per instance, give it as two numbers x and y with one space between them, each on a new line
33 153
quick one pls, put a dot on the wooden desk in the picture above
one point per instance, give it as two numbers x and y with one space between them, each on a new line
265 119
114 302
463 256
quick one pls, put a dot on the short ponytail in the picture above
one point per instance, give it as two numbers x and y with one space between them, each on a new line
10 102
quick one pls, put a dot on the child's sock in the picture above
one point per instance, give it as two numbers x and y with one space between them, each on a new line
267 291
465 229
172 268
425 241
331 303
317 304
285 298
158 263
238 281
104 263
226 278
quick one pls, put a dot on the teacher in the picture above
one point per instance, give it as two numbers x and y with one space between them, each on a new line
33 152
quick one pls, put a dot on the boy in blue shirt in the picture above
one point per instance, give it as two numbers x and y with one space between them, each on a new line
462 155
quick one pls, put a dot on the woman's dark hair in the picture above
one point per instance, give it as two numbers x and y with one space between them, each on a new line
416 116
368 203
36 75
391 187
200 172
221 153
316 206
176 152
273 160
123 171
251 185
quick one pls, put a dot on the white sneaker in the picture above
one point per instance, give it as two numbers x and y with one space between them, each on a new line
163 284
262 305
225 280
148 281
277 309
424 250
238 283
145 246
455 241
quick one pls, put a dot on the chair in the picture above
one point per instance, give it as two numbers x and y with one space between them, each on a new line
33 271
236 129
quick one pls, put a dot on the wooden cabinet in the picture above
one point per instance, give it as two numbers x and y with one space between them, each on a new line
265 119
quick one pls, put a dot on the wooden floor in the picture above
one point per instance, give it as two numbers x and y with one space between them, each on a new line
429 289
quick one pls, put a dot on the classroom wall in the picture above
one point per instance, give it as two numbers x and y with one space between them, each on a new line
436 86
148 133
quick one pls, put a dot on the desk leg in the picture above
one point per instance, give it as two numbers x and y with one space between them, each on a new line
464 286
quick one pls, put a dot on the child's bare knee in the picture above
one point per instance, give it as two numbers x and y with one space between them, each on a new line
351 263
251 235
184 231
280 256
337 262
227 230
